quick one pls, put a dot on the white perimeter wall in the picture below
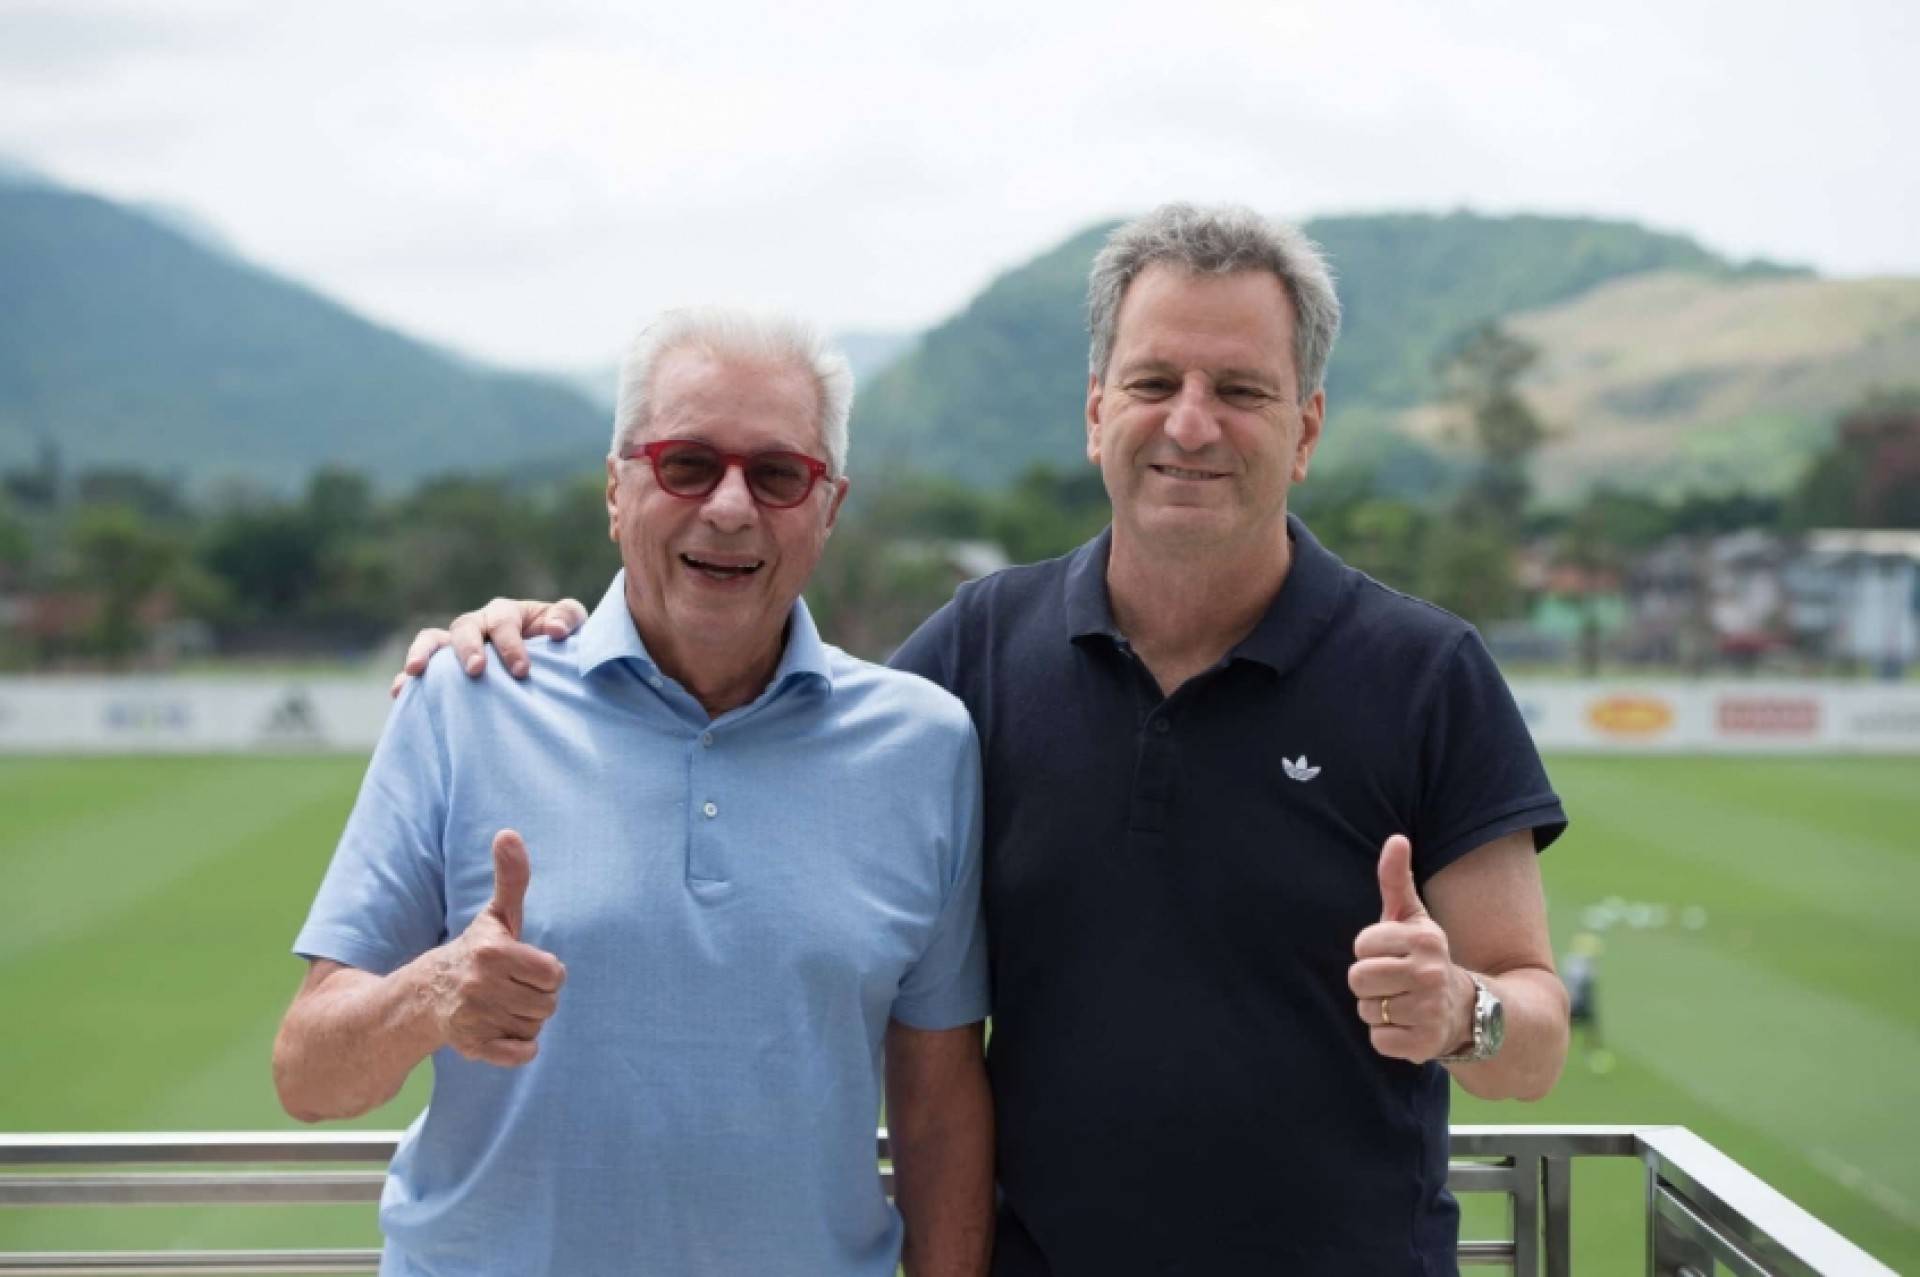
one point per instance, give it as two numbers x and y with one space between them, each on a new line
1723 718
235 715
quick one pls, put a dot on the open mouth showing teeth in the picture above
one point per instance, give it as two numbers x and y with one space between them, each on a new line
1175 472
722 571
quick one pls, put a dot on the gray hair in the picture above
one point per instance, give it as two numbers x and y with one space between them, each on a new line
740 334
1218 241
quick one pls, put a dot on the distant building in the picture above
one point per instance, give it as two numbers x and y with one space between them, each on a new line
1666 599
1747 597
1859 590
1846 599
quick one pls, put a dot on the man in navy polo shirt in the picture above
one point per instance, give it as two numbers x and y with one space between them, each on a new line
1260 832
654 911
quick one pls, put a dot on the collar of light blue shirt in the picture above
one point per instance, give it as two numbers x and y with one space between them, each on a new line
611 635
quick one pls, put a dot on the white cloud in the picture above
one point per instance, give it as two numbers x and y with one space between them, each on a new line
528 181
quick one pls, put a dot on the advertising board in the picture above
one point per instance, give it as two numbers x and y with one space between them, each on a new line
268 715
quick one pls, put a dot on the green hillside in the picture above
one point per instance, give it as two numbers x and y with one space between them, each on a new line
1671 382
1001 385
127 342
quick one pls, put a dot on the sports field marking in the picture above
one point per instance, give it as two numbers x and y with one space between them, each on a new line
1849 1176
191 815
1698 1015
1859 873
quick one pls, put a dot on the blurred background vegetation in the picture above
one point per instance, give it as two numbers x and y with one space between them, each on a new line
203 462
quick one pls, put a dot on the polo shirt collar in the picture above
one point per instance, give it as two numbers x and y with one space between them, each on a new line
1292 624
610 635
1300 613
1088 611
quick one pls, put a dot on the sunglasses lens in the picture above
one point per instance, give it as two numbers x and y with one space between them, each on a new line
689 469
779 480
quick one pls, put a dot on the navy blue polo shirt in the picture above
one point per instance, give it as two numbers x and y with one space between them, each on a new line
1172 890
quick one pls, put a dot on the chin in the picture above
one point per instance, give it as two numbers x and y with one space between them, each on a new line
1187 523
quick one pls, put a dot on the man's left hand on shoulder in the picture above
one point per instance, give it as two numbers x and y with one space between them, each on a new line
1416 1002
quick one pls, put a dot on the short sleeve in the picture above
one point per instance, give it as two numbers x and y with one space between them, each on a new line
1481 777
947 985
383 900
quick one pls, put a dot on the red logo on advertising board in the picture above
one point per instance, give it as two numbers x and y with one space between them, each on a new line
1631 715
1768 715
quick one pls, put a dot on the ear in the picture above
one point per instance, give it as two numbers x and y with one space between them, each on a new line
1093 418
613 499
841 486
1312 414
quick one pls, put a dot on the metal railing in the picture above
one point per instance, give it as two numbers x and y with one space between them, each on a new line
1703 1208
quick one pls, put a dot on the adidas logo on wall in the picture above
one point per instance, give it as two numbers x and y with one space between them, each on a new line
293 719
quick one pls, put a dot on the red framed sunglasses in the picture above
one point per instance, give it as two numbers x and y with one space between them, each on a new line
691 470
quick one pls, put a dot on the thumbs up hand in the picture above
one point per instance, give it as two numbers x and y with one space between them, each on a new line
492 993
1412 997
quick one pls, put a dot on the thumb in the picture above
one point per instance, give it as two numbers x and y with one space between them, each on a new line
1399 900
512 871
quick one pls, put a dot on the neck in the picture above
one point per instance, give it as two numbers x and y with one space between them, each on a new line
722 676
1182 613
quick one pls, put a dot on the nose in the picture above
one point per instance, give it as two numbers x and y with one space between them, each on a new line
1190 419
730 506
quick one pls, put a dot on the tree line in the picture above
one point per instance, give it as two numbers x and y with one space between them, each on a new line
94 564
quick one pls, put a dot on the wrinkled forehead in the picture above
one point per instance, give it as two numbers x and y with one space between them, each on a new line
1239 318
739 401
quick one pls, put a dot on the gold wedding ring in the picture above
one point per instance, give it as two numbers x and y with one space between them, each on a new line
1386 1016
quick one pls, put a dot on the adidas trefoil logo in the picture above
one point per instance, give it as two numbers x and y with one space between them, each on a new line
1298 768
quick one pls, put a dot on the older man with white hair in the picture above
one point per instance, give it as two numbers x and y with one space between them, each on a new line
658 911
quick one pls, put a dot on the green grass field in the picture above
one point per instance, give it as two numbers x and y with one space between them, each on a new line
1757 980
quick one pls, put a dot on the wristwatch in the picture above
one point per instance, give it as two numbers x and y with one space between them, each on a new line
1489 1026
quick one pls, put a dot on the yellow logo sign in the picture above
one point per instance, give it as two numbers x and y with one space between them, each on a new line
1631 715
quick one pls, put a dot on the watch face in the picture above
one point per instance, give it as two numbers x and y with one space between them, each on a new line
1496 1023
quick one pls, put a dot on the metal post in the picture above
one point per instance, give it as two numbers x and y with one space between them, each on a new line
1526 1217
1559 1215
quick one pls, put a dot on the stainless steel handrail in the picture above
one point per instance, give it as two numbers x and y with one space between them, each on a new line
1703 1207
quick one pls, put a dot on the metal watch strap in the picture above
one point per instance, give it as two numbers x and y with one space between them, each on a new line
1477 1048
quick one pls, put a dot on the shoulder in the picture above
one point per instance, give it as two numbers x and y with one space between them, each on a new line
1022 583
1376 606
864 689
447 690
1002 603
1008 609
1382 623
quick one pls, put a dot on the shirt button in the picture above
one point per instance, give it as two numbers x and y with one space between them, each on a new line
706 738
654 679
1162 726
712 810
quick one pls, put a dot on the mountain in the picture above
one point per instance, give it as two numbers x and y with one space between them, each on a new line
129 340
1001 385
871 353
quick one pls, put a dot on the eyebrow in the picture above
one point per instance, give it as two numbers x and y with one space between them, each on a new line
1217 375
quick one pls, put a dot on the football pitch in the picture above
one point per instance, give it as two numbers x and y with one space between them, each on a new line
1756 920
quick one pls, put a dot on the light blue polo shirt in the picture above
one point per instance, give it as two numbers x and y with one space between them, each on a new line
741 903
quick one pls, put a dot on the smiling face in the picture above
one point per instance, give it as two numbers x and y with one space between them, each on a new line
1197 426
710 581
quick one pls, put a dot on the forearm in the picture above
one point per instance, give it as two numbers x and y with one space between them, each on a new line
942 1144
1529 1062
351 1038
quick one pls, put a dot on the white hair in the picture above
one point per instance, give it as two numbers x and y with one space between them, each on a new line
740 334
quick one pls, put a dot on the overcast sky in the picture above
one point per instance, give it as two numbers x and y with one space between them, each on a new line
527 181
